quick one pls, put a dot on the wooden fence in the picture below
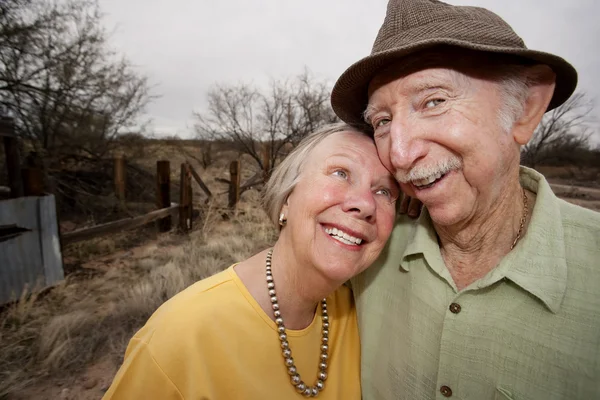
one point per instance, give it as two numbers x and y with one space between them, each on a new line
30 241
29 181
167 211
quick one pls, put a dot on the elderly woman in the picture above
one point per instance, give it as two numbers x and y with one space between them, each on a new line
279 324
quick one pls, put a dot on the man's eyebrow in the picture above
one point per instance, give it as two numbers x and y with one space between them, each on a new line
369 111
428 85
417 87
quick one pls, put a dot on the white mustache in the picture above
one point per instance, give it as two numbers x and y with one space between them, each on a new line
421 172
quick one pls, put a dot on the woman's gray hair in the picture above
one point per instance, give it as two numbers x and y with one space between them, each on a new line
286 175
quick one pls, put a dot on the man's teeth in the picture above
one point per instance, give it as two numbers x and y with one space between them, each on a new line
343 236
428 180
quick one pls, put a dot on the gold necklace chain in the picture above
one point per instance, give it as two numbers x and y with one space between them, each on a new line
523 220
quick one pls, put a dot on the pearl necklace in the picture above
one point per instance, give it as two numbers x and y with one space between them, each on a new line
296 381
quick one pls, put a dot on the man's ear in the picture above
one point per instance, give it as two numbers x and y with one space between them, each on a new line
542 81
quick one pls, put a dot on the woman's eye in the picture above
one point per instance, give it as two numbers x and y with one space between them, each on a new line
389 194
384 192
434 102
341 173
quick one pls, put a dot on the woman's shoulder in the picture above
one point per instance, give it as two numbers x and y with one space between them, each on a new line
189 311
201 293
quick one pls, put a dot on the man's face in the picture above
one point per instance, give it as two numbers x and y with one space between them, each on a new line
438 130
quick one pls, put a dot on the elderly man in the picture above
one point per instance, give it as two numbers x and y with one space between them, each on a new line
494 292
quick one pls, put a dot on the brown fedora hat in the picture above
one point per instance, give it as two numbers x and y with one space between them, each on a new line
412 26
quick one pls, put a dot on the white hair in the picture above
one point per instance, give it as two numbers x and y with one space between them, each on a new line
286 175
514 88
440 167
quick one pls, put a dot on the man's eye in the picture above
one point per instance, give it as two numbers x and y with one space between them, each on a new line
434 102
341 173
380 122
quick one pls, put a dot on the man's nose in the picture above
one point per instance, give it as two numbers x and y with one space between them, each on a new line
408 145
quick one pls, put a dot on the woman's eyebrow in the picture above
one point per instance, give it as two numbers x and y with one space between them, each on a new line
342 155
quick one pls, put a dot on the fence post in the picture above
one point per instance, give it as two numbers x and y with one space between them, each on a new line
120 178
185 199
13 161
33 181
266 162
163 192
234 187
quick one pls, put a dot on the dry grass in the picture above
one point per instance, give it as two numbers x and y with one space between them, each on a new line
87 320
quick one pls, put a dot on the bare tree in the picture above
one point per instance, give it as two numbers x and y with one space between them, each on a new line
249 118
562 134
69 93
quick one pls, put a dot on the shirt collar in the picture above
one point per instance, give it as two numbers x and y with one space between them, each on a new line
537 264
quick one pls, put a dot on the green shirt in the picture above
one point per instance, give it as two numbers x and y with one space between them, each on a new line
530 329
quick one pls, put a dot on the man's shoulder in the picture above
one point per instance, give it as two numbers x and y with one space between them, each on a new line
579 218
581 228
404 231
402 235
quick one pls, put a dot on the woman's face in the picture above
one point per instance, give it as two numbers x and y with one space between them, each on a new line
341 212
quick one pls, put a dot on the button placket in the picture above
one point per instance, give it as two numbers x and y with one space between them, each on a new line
445 376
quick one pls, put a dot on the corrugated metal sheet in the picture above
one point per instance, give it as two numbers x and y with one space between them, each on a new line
32 259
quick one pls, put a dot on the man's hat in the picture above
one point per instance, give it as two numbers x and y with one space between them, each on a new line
411 26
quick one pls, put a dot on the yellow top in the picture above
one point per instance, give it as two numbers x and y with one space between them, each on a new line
213 341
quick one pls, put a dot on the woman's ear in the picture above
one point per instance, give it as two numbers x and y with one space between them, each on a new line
542 81
286 204
283 213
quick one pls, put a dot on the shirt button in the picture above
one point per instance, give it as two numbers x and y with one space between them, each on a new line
455 308
446 391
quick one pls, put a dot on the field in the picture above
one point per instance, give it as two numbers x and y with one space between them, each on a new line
67 342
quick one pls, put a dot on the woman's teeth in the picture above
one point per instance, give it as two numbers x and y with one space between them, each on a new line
342 236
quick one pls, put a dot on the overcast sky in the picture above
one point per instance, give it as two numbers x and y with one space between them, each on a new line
185 46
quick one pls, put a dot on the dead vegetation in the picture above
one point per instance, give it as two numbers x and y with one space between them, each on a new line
52 341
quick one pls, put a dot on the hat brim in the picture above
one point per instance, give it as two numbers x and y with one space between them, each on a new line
349 96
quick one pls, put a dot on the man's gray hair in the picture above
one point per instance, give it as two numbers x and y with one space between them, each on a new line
514 87
287 174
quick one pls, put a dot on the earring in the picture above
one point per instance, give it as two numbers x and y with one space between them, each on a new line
282 219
